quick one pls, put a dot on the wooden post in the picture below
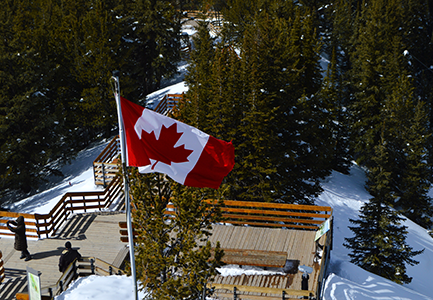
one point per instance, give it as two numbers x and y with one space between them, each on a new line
92 266
2 269
103 175
37 226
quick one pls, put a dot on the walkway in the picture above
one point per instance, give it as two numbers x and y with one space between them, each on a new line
93 234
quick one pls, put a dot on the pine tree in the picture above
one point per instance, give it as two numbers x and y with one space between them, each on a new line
379 243
198 78
302 162
415 203
258 101
254 144
29 137
153 31
174 259
96 58
371 46
384 97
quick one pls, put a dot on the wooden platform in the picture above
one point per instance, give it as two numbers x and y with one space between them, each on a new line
267 247
95 234
271 235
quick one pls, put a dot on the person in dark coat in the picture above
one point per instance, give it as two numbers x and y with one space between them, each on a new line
20 237
68 256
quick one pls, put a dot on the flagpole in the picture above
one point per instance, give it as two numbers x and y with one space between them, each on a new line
125 180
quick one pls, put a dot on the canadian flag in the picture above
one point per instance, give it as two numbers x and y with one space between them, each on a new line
156 143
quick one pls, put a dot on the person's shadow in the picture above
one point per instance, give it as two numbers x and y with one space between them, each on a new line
76 227
45 254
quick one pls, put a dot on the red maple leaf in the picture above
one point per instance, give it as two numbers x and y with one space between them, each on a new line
163 150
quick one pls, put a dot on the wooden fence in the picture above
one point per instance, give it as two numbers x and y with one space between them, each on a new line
308 217
106 165
263 214
46 225
168 103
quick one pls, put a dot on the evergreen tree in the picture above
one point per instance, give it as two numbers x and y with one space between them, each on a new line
379 243
331 96
96 58
29 135
153 31
384 96
414 202
371 46
256 139
300 113
174 258
262 99
198 78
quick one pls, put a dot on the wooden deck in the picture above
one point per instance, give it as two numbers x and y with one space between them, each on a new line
270 242
271 235
93 234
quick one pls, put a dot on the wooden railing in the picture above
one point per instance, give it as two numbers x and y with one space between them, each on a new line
2 268
106 165
232 290
197 14
78 268
46 225
168 103
263 214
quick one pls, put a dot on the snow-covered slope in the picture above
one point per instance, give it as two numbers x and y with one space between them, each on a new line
346 194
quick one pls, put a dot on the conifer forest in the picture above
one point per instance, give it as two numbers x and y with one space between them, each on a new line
301 87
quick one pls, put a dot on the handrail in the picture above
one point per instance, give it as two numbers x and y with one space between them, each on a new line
105 166
85 266
263 214
255 289
39 225
168 103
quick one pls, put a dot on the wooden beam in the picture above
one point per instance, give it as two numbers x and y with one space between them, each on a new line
256 289
25 296
258 258
229 295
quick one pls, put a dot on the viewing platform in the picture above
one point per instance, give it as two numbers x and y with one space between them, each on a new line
92 234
